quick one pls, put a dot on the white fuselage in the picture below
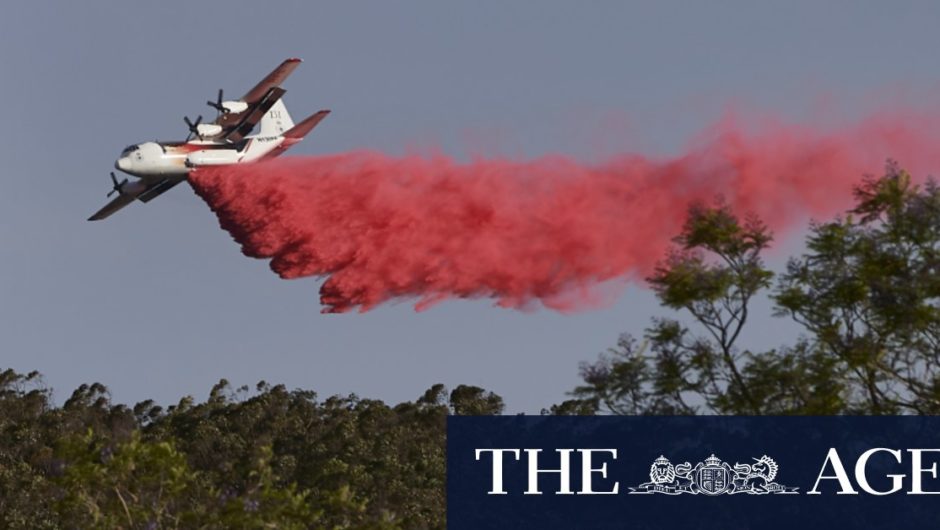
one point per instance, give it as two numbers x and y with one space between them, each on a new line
159 160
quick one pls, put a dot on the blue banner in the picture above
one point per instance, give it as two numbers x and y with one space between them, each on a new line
564 472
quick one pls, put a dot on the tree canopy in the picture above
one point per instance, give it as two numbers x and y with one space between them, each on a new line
269 458
866 293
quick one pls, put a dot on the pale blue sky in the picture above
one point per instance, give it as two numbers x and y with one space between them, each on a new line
157 302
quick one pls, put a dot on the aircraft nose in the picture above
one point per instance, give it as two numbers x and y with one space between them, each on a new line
122 164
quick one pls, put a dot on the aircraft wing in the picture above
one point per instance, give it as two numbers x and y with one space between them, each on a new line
259 95
253 115
116 204
275 78
159 188
145 194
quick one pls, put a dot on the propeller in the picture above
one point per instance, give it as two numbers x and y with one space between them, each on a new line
193 127
118 186
217 105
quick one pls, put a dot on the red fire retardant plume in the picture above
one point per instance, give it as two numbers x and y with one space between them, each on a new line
545 231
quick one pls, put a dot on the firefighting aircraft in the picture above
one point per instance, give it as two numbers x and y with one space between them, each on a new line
158 166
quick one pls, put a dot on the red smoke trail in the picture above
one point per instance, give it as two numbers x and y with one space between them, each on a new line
541 231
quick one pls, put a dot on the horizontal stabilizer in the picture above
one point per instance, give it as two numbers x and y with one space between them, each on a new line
303 128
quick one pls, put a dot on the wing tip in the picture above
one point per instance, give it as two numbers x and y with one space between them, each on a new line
293 60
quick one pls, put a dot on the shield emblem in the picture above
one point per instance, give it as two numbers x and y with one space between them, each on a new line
713 479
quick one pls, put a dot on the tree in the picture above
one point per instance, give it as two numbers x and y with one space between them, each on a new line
474 401
130 485
866 294
271 458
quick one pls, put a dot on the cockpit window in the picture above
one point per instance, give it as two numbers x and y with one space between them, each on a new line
130 149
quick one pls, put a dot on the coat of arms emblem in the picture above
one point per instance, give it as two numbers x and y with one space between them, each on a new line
713 476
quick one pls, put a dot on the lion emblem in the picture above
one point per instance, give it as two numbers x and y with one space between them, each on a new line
662 471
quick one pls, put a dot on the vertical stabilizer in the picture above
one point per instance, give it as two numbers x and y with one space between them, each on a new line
276 121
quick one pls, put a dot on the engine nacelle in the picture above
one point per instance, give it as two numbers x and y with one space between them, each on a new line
209 129
235 106
212 157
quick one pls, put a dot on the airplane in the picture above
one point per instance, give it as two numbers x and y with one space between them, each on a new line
159 166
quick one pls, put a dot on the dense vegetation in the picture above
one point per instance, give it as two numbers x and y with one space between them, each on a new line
866 293
272 459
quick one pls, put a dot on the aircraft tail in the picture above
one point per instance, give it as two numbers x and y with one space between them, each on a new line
276 120
296 134
304 127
